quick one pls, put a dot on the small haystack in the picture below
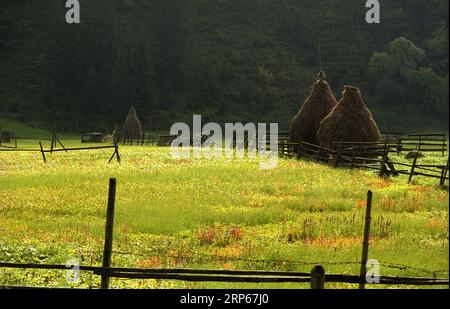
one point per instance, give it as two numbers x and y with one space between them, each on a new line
349 121
317 106
414 154
132 127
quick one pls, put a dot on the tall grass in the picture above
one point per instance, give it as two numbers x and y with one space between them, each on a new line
212 214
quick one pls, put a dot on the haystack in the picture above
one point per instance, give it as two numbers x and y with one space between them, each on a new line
414 154
349 121
132 127
317 106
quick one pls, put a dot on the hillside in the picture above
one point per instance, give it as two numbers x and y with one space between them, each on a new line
229 60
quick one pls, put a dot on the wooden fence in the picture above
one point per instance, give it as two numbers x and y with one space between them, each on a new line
425 142
147 139
374 158
43 151
317 277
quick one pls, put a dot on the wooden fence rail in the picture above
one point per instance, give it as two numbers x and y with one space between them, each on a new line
367 157
43 151
317 277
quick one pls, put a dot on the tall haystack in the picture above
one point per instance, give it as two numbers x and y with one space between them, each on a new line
349 121
317 106
132 127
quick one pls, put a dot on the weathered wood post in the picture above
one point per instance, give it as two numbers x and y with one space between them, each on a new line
336 162
383 169
319 153
107 249
444 174
299 150
117 152
444 140
399 144
353 159
413 167
42 152
318 278
365 248
53 142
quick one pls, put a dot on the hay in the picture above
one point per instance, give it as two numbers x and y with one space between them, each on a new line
132 127
349 121
317 106
414 154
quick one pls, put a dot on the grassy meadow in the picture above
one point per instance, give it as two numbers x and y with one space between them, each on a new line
213 214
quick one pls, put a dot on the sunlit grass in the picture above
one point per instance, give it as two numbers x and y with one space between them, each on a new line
224 214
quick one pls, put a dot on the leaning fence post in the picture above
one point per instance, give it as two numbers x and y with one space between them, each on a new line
413 167
117 152
444 174
318 278
107 249
43 153
53 142
383 169
365 249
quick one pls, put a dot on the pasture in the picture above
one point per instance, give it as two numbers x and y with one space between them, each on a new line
212 214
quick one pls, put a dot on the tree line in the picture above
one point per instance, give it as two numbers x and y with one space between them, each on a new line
231 60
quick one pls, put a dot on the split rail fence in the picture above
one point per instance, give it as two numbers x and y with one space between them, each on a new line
317 277
54 141
372 156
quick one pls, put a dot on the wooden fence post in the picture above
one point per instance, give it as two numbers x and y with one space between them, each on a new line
107 249
319 153
413 167
42 152
365 249
299 150
318 278
444 174
117 152
53 142
353 159
399 144
444 140
336 162
384 160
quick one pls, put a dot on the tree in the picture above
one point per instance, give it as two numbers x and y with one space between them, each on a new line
390 92
405 54
382 65
429 90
